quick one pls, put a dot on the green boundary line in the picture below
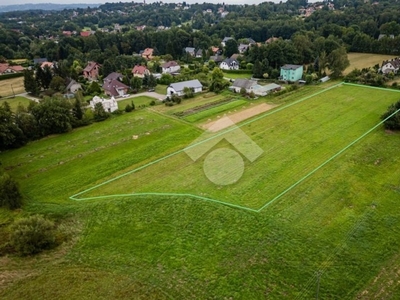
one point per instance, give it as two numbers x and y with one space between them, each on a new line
73 197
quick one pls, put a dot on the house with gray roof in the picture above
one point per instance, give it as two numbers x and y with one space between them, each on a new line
223 43
229 64
252 86
190 50
291 72
178 87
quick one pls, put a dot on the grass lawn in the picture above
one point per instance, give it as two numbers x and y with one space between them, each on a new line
342 222
8 85
161 89
364 60
139 101
14 102
239 75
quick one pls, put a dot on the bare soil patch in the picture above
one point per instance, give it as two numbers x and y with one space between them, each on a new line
234 118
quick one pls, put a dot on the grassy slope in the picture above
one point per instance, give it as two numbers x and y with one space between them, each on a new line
295 141
343 221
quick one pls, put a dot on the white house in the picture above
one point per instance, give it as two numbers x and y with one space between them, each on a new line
392 65
109 105
229 64
178 87
170 67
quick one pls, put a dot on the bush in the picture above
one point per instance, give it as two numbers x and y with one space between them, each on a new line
32 235
9 192
152 103
128 108
12 75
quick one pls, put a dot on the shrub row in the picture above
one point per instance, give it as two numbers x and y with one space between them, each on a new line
11 75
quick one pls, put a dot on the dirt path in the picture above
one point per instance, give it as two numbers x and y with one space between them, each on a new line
234 118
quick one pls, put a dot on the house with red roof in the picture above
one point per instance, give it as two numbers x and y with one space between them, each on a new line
91 71
86 33
47 64
140 71
148 53
7 69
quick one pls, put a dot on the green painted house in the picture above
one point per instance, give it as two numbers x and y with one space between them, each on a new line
291 72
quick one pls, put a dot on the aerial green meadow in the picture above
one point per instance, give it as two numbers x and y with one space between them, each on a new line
305 216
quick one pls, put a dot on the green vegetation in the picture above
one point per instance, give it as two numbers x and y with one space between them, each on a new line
215 110
341 222
309 132
14 102
138 101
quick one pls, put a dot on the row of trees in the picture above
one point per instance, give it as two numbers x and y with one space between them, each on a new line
50 116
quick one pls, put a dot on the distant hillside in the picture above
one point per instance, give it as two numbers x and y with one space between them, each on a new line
44 6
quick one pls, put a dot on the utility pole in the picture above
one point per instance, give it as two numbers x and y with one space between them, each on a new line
13 91
318 279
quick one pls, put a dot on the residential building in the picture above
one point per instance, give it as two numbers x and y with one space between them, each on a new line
291 72
391 66
177 88
91 71
73 87
115 88
109 105
114 76
148 53
170 67
47 64
251 86
190 50
140 71
223 43
243 47
229 64
39 60
7 69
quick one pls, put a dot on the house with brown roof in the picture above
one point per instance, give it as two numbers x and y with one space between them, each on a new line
113 87
148 53
140 71
91 71
7 69
170 67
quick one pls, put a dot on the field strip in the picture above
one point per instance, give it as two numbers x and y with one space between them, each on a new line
186 194
326 162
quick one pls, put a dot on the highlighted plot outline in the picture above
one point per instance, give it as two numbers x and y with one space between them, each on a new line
212 139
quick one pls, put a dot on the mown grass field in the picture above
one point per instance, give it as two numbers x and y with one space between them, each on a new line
294 141
342 222
238 75
215 110
364 60
8 85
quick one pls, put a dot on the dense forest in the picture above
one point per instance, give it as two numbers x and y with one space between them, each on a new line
362 26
